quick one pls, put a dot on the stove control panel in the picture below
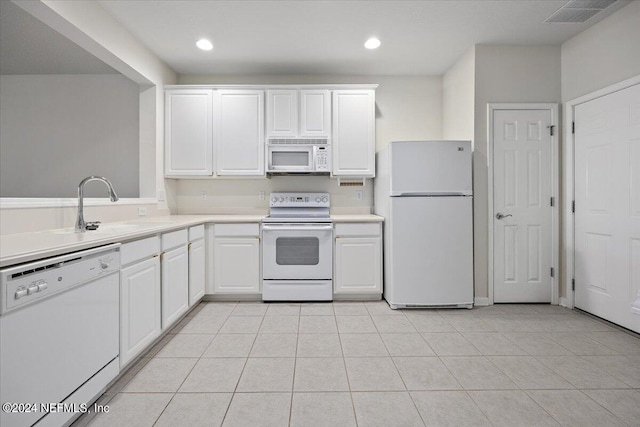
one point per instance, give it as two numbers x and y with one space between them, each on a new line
299 200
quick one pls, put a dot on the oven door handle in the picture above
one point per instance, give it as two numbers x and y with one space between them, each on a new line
301 227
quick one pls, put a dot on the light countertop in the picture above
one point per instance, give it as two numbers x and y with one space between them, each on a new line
357 218
25 247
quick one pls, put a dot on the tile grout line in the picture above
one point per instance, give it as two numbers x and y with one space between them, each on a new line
293 376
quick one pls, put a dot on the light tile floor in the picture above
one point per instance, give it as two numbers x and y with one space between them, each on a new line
363 364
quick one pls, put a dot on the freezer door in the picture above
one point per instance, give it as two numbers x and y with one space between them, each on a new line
430 167
430 261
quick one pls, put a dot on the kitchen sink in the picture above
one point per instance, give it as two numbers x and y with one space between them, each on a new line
105 228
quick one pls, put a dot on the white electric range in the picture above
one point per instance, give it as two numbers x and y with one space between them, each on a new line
297 248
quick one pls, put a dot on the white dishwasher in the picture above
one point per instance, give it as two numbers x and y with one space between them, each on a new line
59 335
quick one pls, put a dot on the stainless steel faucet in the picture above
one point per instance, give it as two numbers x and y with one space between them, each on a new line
81 225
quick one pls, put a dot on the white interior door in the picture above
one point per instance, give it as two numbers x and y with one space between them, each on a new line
522 222
607 197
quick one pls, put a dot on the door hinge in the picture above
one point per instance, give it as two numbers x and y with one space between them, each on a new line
552 129
573 206
552 272
552 202
573 127
573 284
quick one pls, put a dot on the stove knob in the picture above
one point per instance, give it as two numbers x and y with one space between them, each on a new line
104 265
325 199
274 199
32 289
42 286
281 199
317 199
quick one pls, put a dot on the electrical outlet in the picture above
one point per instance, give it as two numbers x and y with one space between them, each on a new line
261 195
358 194
203 196
142 211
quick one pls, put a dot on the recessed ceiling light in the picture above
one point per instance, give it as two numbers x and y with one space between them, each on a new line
204 44
372 43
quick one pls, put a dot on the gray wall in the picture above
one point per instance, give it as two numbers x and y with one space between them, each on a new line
57 129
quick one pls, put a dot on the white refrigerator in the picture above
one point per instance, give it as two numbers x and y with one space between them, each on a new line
424 191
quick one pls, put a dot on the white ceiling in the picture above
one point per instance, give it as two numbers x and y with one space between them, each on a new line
28 46
326 37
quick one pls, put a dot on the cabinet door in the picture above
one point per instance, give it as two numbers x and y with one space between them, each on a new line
237 265
139 308
315 113
353 141
188 132
196 271
240 132
358 266
282 113
175 285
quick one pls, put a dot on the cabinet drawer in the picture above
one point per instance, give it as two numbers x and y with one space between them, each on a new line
234 230
358 229
139 249
196 232
174 238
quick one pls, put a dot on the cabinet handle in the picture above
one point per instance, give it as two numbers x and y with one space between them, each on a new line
155 256
161 256
189 246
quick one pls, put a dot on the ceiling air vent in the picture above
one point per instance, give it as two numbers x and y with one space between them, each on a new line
576 11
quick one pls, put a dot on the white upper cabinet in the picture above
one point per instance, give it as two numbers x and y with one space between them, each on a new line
282 113
239 132
220 131
315 113
353 141
293 113
188 132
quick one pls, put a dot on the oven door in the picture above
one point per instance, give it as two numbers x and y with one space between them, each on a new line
290 158
297 251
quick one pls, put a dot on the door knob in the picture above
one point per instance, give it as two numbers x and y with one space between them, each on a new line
502 216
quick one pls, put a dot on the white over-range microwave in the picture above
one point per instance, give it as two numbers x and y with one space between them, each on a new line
298 156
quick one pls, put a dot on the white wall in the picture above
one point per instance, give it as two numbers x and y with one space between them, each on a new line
228 196
504 74
603 54
57 129
406 108
458 96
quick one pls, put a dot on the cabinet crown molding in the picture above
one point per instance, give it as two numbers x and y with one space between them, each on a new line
340 86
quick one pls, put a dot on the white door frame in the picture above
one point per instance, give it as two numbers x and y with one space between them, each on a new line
555 189
568 155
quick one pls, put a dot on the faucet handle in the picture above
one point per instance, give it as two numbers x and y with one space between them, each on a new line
93 225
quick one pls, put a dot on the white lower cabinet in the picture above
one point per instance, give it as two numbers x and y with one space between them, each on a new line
358 259
139 297
175 277
236 259
196 264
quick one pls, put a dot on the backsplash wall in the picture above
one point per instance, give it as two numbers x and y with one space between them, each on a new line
228 196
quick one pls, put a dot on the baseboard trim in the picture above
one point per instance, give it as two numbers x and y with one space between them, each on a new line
481 302
563 302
